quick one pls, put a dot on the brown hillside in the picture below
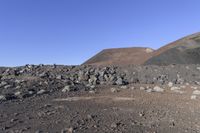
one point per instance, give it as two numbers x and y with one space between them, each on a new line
188 41
183 51
121 56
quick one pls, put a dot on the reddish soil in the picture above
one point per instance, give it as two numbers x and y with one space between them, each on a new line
121 56
138 56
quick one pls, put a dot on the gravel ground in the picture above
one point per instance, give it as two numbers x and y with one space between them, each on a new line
53 99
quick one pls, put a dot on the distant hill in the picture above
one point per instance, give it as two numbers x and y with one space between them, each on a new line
121 56
182 51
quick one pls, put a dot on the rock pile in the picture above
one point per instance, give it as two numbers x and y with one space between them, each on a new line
34 80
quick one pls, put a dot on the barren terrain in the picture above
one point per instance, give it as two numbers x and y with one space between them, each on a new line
54 99
183 51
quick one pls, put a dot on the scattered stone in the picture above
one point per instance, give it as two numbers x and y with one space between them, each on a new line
179 91
92 91
119 81
18 87
2 98
158 89
90 117
68 88
95 126
187 84
149 90
175 88
92 80
197 83
68 130
59 77
43 75
13 120
132 88
31 92
41 92
124 87
170 84
142 88
194 87
114 90
196 92
114 125
141 114
18 93
7 86
92 87
198 68
3 83
187 67
183 86
193 97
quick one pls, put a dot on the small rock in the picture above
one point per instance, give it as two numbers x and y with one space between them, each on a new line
2 98
13 120
7 86
187 84
41 92
158 89
179 91
142 88
114 125
92 91
31 92
132 88
119 81
170 84
18 87
3 83
196 92
149 90
194 87
141 114
70 130
18 93
197 83
92 87
193 97
67 89
114 90
175 88
90 116
95 126
92 80
59 77
183 86
198 68
124 87
187 67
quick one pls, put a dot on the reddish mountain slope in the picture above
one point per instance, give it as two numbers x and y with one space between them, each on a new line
182 51
121 56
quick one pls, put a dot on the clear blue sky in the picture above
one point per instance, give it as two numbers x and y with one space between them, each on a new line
71 31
